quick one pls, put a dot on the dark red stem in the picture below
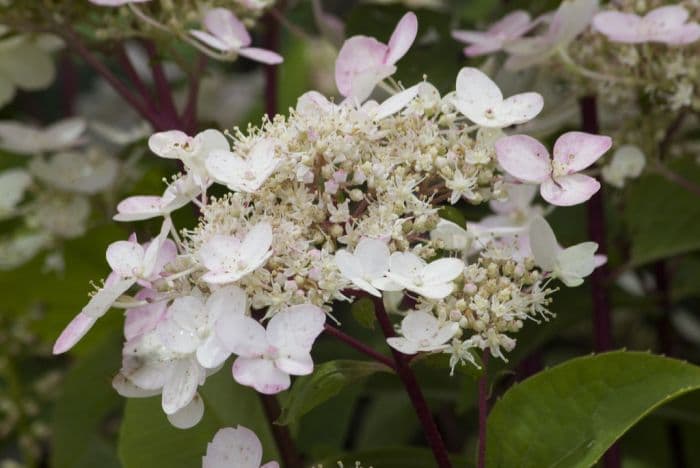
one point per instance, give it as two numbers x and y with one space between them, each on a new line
128 67
359 346
283 439
76 44
483 409
166 102
602 319
189 114
414 392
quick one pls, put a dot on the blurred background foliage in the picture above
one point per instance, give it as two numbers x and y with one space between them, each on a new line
61 412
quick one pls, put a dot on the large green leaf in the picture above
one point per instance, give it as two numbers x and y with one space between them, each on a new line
569 415
660 228
327 381
83 419
147 439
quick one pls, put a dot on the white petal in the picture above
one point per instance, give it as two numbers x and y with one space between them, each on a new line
543 244
296 327
396 102
181 385
576 262
477 95
188 416
128 389
374 257
168 144
419 325
241 335
233 448
261 374
402 345
76 329
569 190
443 270
211 353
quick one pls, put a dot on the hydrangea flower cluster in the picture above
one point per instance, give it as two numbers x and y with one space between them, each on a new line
333 202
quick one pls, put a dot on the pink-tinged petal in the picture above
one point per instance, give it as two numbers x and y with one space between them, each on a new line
261 55
295 328
482 49
272 464
402 38
223 24
233 448
569 190
241 335
571 19
666 17
125 258
330 26
115 3
618 27
261 374
576 151
472 37
74 332
181 385
359 55
512 25
152 258
188 416
211 40
103 299
686 34
166 254
140 320
600 260
524 158
167 144
138 208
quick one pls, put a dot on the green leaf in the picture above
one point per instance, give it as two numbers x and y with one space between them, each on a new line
659 228
395 457
569 415
147 439
451 213
82 424
327 381
363 311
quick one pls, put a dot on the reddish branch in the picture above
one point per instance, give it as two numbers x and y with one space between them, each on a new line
359 346
414 392
602 319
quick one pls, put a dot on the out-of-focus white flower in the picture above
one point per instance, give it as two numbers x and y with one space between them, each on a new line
13 184
510 27
25 63
627 163
19 248
267 357
87 172
451 236
423 331
432 280
667 24
27 139
225 32
235 447
570 265
228 258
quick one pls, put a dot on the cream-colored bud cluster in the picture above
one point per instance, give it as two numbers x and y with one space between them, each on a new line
497 293
342 176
